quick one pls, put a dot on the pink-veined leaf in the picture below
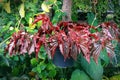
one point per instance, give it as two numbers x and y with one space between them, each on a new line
11 47
97 47
32 48
74 51
110 49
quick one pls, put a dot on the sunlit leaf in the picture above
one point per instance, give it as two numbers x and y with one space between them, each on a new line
34 61
52 1
32 26
22 11
7 7
45 7
30 21
23 1
35 1
39 24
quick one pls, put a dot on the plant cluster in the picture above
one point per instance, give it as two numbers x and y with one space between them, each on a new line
17 17
71 38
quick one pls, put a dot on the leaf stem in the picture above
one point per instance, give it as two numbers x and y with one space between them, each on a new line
19 23
93 20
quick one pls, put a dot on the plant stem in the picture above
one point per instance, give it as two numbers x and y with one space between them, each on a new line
93 20
19 23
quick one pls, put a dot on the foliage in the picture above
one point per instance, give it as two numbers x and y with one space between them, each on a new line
79 75
14 66
4 64
17 18
104 57
42 67
69 37
117 77
114 6
98 7
91 19
94 70
117 51
13 22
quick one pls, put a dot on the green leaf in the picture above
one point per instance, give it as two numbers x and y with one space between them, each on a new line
22 58
34 61
22 11
52 1
45 7
6 27
35 69
50 66
35 1
42 53
38 69
57 16
3 61
91 19
15 58
42 65
104 56
31 8
94 70
115 77
15 71
79 75
30 30
23 1
39 24
28 16
7 7
52 73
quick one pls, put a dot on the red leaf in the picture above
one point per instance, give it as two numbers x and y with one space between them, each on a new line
19 43
97 47
66 49
32 49
74 51
11 47
53 49
110 49
39 17
46 24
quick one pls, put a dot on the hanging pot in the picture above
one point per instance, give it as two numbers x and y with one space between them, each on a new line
59 60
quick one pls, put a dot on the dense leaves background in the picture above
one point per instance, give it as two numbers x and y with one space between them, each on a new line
17 16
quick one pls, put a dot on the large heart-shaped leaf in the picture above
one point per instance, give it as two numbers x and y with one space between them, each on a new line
94 70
